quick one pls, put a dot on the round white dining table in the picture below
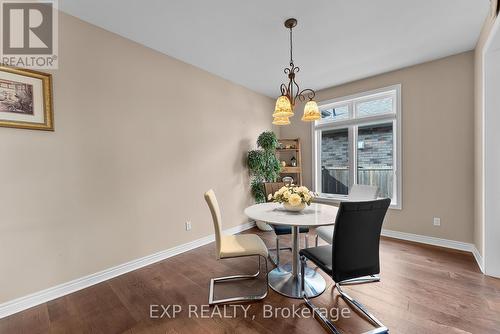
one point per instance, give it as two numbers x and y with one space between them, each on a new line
286 279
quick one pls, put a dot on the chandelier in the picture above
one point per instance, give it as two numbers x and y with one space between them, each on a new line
291 92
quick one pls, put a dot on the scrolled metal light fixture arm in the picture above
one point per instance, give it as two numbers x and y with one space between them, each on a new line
292 86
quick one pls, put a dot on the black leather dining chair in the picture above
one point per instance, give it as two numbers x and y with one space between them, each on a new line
353 258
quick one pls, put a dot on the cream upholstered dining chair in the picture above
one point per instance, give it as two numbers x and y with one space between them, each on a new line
232 246
358 193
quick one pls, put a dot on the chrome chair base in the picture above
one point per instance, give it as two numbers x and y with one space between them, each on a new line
361 280
212 301
327 324
362 308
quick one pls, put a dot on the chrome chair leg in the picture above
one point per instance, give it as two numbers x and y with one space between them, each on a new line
316 311
361 280
327 324
212 301
276 259
303 264
277 251
380 327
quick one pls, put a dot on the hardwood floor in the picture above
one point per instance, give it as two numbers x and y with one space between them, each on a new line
424 289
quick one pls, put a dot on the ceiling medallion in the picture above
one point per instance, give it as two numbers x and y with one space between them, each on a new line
291 92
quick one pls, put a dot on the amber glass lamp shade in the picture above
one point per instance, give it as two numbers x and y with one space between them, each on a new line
311 112
281 121
283 107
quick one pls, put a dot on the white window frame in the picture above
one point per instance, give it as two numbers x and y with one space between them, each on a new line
352 125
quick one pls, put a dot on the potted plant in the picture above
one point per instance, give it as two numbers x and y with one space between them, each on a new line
264 167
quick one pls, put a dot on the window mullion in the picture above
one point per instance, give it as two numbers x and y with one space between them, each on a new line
352 155
395 159
318 154
358 121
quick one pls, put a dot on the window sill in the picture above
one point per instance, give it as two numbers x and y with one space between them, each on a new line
336 201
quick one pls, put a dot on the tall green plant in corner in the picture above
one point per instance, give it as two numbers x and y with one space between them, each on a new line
263 164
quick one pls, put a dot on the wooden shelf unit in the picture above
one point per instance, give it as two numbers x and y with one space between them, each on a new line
285 154
289 170
287 150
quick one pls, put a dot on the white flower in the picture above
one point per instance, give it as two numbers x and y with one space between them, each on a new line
269 197
303 190
294 200
286 194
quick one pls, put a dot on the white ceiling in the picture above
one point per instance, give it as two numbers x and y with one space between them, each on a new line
336 41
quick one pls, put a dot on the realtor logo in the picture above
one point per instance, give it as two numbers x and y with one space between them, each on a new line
29 33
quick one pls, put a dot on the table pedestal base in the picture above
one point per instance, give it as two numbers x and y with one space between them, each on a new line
284 282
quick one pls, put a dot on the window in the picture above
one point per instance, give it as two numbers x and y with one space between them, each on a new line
358 141
335 113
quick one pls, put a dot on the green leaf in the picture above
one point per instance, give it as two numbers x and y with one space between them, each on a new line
268 141
263 164
257 189
255 161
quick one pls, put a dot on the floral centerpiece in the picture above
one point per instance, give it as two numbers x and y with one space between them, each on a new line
292 197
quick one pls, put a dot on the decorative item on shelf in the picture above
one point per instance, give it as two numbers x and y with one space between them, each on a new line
292 197
293 162
264 166
291 148
283 164
291 92
288 180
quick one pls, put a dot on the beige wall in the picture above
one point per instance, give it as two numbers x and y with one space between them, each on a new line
139 137
478 133
438 144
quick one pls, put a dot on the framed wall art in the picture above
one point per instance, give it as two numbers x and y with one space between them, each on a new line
25 99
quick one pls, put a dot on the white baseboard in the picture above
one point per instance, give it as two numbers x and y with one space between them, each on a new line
46 295
463 246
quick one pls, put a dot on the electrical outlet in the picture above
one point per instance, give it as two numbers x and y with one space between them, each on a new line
188 225
437 221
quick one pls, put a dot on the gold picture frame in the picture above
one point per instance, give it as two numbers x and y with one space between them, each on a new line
26 99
